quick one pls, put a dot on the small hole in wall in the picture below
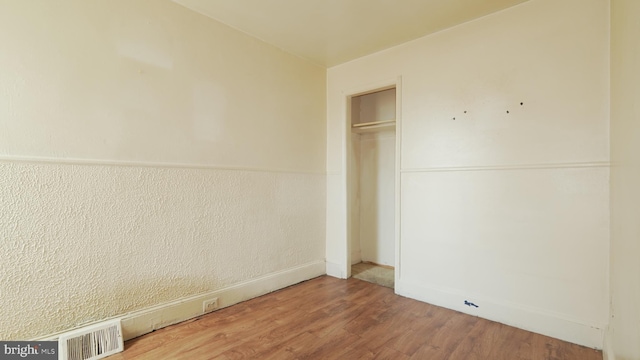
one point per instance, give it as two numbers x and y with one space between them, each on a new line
465 111
521 103
454 118
507 111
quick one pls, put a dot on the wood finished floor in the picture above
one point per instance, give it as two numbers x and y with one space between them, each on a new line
328 318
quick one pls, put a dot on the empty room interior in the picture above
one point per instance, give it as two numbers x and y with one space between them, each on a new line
164 161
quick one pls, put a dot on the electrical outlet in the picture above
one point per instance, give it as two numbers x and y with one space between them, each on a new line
209 305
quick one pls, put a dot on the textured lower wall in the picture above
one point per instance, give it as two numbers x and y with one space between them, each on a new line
82 243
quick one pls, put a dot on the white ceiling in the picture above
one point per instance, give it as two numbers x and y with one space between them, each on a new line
330 32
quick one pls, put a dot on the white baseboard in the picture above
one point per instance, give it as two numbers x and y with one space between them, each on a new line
336 270
521 317
147 320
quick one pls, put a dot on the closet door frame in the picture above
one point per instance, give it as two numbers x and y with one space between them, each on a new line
349 173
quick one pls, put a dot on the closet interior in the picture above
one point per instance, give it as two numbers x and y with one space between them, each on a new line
372 169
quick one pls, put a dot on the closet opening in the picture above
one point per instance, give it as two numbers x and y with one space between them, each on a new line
372 185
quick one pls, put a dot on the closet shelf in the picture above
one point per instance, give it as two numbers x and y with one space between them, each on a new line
374 125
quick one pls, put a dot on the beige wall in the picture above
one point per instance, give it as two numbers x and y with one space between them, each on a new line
624 333
507 210
147 153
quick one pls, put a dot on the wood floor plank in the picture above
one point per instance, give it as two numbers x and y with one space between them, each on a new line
336 317
480 342
373 346
554 349
324 347
293 349
444 341
413 339
328 318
